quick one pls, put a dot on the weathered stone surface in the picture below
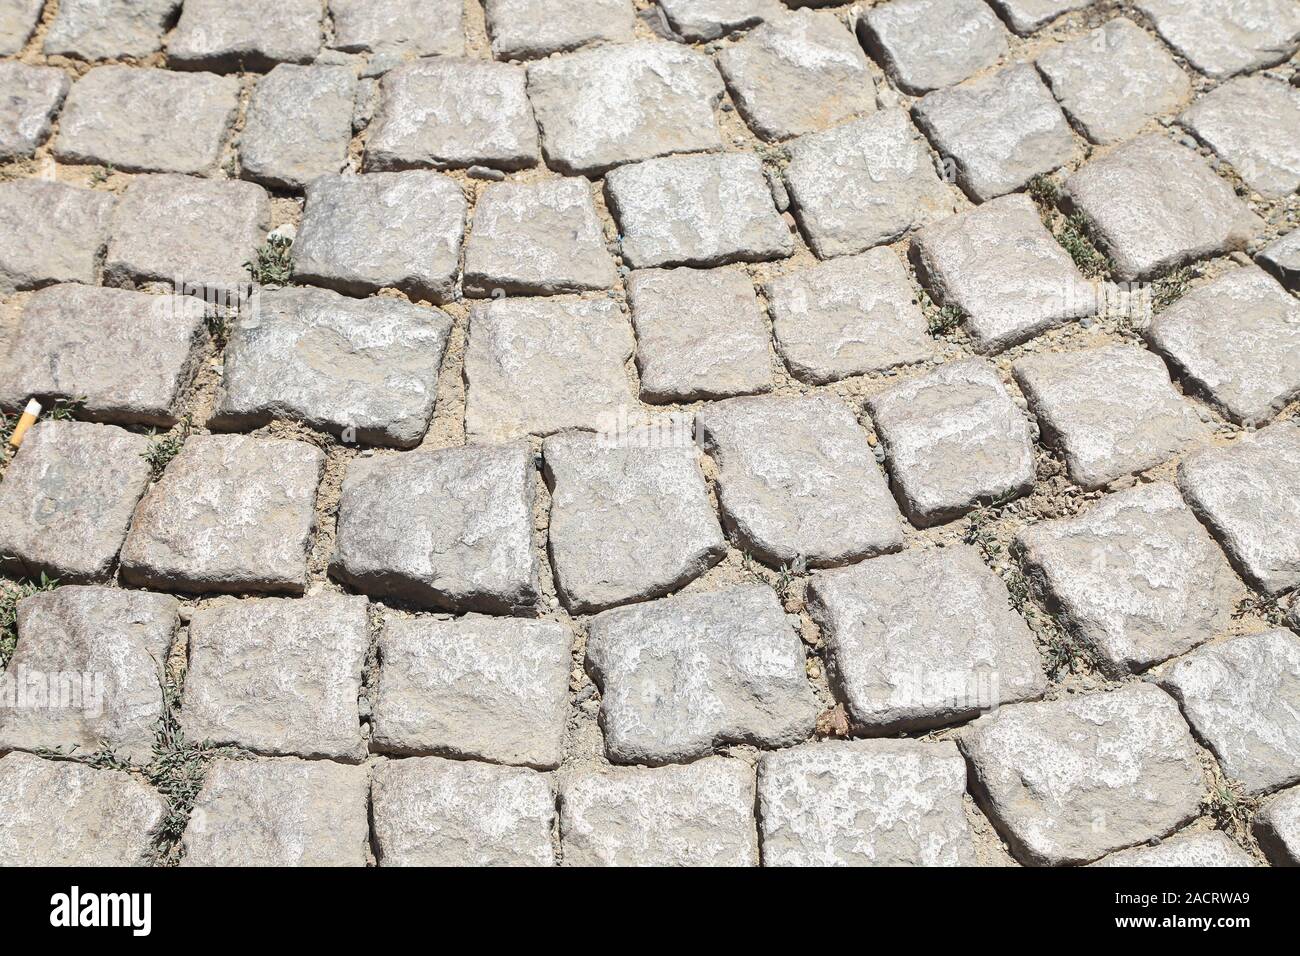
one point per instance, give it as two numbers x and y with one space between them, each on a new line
697 20
434 812
953 438
527 29
145 120
1205 849
1155 205
1112 81
1282 258
1001 130
1026 16
284 812
299 125
450 528
696 210
700 334
539 366
402 27
1236 340
1111 411
923 638
850 316
1136 577
797 480
109 29
1277 827
453 112
29 98
537 238
18 19
365 369
701 814
798 73
363 233
1071 780
864 183
928 44
59 813
1224 37
864 803
1253 123
252 35
1243 698
683 675
1249 495
67 499
621 104
231 513
53 233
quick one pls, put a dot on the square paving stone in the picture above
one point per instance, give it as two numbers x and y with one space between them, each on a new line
476 687
109 29
698 20
624 103
360 234
864 803
1110 411
1001 130
53 233
798 73
627 523
1112 81
1184 850
1243 698
1248 493
452 112
928 44
284 812
278 676
696 210
145 120
126 356
1236 340
415 27
366 369
953 438
60 813
683 675
1135 577
537 239
539 366
29 98
1277 827
450 528
864 183
797 480
1026 16
923 638
701 814
252 35
1070 780
18 19
1225 37
700 334
299 125
849 316
1253 123
433 812
1154 205
110 643
231 513
528 29
1282 258
67 499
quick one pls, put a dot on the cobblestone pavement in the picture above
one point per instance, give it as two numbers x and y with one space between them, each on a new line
679 432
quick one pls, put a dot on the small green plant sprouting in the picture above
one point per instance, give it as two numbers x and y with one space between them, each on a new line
65 409
1230 808
166 447
217 322
1044 190
273 264
1075 237
10 595
1266 607
788 575
978 526
102 174
944 321
1170 287
176 771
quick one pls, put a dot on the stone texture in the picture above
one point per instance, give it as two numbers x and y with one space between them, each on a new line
252 35
279 813
53 233
231 513
1277 827
109 29
701 814
1071 780
683 675
538 366
1225 37
1026 16
929 44
700 334
527 29
1282 258
620 104
449 528
1243 699
1155 205
921 639
864 183
1001 130
401 27
537 238
696 20
477 687
1111 411
365 369
433 812
29 98
18 19
1205 849
299 125
1135 577
1253 123
146 120
59 813
360 234
67 499
864 803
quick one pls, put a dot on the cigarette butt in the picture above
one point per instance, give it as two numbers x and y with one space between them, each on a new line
30 414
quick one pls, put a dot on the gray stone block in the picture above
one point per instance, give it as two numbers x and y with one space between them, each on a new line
299 125
1212 849
1026 16
1277 827
109 29
528 29
1254 123
1225 37
1282 258
929 44
251 35
54 233
401 27
18 19
29 98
